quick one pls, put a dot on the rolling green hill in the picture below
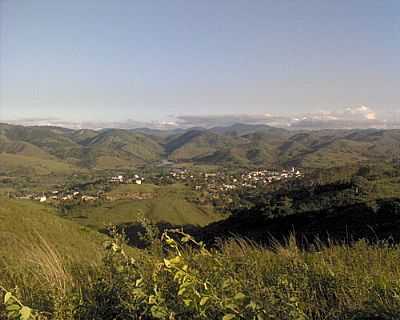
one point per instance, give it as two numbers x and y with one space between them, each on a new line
17 164
328 148
239 144
197 144
241 129
123 144
53 140
160 204
82 148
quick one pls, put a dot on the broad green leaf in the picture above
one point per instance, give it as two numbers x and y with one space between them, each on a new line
187 302
252 305
7 297
139 282
152 300
115 247
226 284
181 291
120 269
138 293
185 239
229 316
167 263
159 312
13 315
260 317
13 307
239 296
176 260
186 284
204 300
231 306
25 313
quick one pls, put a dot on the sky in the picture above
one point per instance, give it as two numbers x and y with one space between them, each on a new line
149 60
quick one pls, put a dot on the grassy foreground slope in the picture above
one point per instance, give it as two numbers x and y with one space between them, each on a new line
26 226
169 280
239 281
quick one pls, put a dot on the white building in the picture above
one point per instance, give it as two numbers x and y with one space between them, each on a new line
117 179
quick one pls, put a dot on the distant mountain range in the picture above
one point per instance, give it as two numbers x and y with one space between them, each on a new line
45 149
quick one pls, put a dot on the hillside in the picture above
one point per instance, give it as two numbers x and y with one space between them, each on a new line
341 224
238 145
82 148
170 204
26 227
197 144
16 164
240 129
116 145
327 148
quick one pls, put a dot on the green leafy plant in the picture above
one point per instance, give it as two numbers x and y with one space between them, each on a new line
237 280
15 309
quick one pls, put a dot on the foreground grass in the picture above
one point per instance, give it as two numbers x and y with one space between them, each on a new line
237 281
23 223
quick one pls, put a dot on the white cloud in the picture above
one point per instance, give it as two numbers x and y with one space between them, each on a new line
360 116
363 111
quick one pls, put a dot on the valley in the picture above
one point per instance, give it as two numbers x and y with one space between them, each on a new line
84 211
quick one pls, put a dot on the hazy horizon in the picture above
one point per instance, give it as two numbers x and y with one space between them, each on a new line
112 61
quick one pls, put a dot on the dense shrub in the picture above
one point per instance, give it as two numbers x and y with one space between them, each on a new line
182 279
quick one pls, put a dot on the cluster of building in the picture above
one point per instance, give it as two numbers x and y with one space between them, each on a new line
248 179
56 195
220 182
225 181
122 179
181 174
268 176
78 193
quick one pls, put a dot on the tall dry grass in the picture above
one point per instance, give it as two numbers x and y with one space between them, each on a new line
331 281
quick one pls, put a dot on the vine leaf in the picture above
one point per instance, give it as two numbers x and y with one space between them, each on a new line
25 313
229 316
7 297
239 296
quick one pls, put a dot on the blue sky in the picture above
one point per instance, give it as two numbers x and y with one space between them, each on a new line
111 60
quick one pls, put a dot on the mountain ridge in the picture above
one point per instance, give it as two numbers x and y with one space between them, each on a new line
239 144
